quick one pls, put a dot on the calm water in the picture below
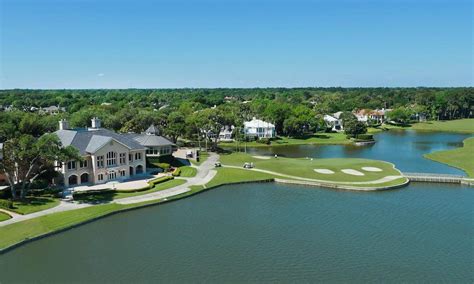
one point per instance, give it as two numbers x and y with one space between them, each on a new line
267 232
275 233
403 148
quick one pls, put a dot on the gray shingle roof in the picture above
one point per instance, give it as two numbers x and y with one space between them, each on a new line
152 140
89 141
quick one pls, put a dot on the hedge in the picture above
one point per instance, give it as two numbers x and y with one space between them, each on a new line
151 184
176 172
367 137
6 204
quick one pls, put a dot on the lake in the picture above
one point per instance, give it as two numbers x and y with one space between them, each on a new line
276 233
403 148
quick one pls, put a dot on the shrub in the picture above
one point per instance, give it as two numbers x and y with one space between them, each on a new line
367 137
176 172
6 204
264 141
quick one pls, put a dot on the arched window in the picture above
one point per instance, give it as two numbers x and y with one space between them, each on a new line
72 180
111 159
139 169
85 178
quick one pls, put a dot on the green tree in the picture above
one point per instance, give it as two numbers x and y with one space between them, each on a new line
25 158
354 128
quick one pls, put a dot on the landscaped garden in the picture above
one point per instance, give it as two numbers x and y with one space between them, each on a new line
109 195
461 158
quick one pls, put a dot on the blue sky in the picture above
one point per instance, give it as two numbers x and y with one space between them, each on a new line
228 43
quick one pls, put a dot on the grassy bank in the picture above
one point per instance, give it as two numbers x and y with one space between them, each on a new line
461 158
316 139
459 125
305 168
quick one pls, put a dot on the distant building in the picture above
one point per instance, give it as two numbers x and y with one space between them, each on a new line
377 115
52 110
259 128
226 133
334 123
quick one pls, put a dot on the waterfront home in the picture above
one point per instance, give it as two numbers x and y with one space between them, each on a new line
377 115
106 155
259 128
335 124
226 133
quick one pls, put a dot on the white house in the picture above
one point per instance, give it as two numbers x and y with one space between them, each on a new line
226 133
334 123
106 155
259 128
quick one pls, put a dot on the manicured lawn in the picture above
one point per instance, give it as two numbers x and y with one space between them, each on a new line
202 158
230 175
459 125
316 139
109 196
4 216
34 204
461 158
188 171
305 167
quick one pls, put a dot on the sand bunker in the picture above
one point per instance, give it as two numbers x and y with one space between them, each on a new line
371 169
324 171
352 172
262 157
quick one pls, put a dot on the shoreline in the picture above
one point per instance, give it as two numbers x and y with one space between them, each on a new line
187 194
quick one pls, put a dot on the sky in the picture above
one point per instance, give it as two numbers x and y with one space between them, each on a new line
56 44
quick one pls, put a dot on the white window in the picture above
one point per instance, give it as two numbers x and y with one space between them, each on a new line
112 175
83 164
138 156
122 159
111 159
100 177
100 161
71 165
122 173
130 158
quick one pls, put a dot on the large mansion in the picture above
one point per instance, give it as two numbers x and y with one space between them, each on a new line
108 155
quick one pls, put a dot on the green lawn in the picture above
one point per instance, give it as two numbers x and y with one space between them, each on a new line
188 171
459 125
4 216
34 204
316 139
109 196
461 158
305 167
202 158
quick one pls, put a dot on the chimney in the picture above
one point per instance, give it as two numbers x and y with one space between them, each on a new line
95 123
63 124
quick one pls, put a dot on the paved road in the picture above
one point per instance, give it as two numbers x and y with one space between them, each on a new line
205 173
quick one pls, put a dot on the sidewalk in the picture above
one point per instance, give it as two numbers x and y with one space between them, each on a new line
205 173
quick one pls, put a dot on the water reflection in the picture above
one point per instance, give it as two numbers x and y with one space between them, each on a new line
403 148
